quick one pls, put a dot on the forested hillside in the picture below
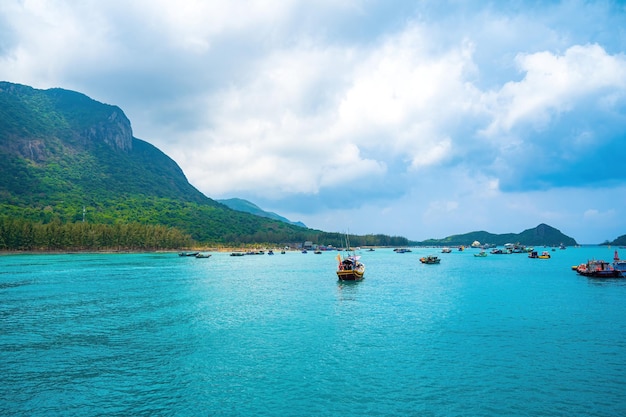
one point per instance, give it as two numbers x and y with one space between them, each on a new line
620 241
65 158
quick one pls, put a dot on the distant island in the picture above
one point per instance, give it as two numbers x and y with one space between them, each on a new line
620 241
540 235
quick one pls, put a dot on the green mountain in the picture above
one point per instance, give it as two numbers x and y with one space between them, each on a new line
620 241
246 206
66 159
540 235
61 151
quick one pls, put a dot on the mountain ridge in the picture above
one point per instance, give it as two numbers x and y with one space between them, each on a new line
246 206
540 235
61 151
66 158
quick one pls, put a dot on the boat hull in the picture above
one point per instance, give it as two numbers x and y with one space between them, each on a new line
350 275
601 274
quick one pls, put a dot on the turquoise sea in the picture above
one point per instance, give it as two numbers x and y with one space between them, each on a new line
160 335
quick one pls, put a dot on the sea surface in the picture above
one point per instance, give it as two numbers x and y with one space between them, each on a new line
156 334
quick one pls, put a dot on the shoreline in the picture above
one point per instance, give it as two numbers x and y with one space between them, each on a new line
109 251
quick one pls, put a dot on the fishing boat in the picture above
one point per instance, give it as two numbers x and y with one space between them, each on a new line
544 255
446 250
350 268
480 254
598 269
430 259
402 250
188 253
203 255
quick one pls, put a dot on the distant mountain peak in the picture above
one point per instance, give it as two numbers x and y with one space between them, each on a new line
63 114
543 234
246 206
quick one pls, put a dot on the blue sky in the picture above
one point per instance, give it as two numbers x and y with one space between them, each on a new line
415 118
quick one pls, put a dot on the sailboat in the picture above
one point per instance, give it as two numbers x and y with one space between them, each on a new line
350 267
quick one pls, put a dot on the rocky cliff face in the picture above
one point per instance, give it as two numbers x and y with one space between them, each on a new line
64 143
36 124
115 131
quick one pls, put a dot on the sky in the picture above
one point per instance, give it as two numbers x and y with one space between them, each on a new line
422 118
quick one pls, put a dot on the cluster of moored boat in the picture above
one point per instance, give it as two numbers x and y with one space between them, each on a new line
509 248
350 268
603 269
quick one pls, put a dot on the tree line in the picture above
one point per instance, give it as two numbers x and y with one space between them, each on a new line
19 234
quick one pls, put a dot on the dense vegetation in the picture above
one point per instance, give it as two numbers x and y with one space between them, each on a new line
17 234
65 158
540 235
24 235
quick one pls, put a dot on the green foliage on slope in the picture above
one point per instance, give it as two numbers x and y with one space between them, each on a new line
61 151
620 241
23 235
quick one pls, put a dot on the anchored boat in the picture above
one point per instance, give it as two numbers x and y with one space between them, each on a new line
430 259
350 267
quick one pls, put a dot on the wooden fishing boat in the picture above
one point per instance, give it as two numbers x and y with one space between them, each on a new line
430 259
350 268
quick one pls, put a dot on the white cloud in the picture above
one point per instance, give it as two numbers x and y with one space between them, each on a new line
425 107
403 95
333 112
553 84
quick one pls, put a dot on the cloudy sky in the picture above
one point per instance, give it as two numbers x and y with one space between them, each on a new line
421 118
